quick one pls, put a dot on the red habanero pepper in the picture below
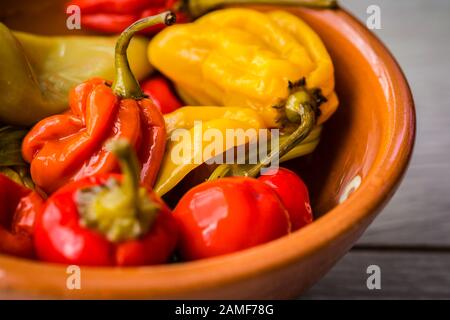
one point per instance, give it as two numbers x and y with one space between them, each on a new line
227 215
114 16
301 110
106 220
71 146
159 90
234 210
293 193
115 6
234 213
108 22
18 209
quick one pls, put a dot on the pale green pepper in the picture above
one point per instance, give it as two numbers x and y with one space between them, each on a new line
37 72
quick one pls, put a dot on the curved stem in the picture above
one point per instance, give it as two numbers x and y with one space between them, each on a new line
308 120
120 210
307 117
125 84
200 7
300 107
129 166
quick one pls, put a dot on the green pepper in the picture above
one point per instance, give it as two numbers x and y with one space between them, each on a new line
37 72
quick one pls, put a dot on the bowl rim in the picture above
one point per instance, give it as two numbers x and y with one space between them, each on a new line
379 185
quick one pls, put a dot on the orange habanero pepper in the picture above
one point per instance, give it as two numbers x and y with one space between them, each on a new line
70 146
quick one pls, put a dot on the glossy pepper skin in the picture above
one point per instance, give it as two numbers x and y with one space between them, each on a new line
243 57
197 121
106 220
301 107
60 238
114 16
301 135
38 72
70 146
18 209
159 90
293 193
228 215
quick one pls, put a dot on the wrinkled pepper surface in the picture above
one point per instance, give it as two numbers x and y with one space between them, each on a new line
70 146
114 16
37 72
243 57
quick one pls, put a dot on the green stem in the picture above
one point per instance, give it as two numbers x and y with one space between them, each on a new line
125 84
129 166
200 7
308 120
301 107
120 210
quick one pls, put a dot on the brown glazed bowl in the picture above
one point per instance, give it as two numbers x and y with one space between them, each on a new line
363 155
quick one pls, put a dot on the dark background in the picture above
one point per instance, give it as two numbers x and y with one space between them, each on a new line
410 240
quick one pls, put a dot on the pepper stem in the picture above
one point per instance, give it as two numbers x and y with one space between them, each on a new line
300 108
200 7
129 166
125 84
120 210
308 120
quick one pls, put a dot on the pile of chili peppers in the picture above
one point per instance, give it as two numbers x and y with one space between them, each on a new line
96 167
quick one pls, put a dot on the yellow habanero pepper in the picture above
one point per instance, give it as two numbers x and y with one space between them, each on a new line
243 57
185 117
186 150
195 143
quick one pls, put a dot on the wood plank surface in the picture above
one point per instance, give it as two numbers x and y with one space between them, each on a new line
404 275
410 240
418 34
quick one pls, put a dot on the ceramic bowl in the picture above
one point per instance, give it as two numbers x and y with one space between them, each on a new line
363 154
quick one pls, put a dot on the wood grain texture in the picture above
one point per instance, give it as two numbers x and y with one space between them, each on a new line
404 275
410 240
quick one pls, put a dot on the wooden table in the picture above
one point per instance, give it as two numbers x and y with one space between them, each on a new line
410 240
